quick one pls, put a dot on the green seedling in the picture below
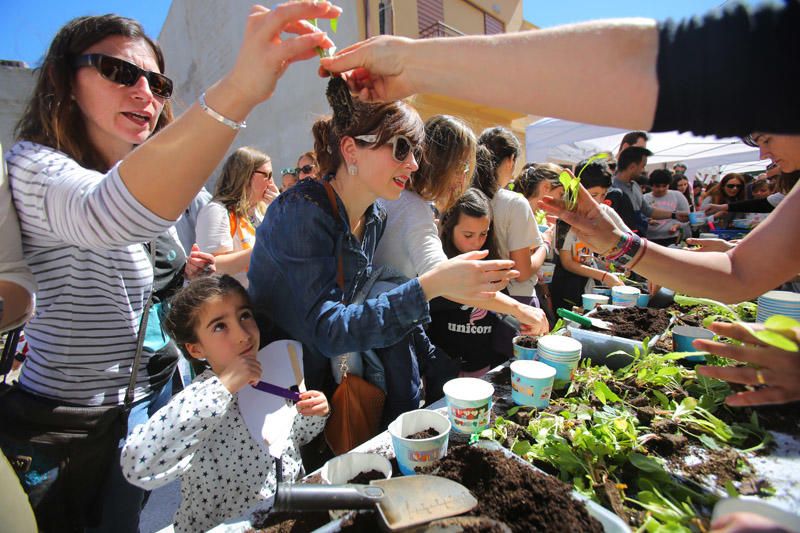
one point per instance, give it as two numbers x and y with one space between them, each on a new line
334 27
777 332
572 184
541 217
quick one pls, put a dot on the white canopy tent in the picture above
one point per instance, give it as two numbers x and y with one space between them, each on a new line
562 141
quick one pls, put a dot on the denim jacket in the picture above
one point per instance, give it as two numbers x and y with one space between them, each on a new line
293 281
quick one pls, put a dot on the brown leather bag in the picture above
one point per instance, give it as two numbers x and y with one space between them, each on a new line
356 405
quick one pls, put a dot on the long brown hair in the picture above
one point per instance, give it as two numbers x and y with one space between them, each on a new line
354 117
449 147
233 185
718 195
52 117
473 203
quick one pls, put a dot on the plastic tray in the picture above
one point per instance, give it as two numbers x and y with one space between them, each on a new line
729 234
597 346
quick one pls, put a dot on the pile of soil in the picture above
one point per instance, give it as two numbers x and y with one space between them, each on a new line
510 492
364 478
265 522
527 341
635 323
424 434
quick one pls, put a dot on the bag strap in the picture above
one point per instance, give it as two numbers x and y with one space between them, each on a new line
335 207
9 351
142 330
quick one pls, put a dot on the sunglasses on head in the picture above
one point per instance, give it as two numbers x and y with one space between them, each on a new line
120 71
290 170
401 146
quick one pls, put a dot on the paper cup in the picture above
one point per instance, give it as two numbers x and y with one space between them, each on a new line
697 218
343 468
605 291
522 352
590 301
624 296
682 337
546 272
708 236
643 300
412 453
469 404
561 353
532 383
543 227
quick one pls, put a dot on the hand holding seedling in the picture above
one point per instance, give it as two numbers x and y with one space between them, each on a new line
778 369
587 219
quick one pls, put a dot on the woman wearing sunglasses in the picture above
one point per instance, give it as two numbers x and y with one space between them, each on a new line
88 201
307 167
314 252
729 190
226 226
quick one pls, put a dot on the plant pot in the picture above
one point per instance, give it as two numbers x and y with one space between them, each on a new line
469 404
413 453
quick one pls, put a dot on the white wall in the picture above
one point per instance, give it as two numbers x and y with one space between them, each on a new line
16 87
201 38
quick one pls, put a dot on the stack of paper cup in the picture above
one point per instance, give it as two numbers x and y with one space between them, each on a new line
624 296
563 354
778 303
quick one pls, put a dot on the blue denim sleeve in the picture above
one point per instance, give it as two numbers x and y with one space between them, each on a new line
293 282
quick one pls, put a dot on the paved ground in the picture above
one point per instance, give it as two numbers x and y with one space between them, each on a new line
160 508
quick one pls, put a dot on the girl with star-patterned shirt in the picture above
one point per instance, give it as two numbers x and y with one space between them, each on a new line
462 331
200 436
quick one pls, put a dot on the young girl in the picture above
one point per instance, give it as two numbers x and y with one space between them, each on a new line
200 436
463 331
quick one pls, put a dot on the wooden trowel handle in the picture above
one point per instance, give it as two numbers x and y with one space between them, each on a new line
308 497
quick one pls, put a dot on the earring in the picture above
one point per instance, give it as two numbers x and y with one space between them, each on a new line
352 169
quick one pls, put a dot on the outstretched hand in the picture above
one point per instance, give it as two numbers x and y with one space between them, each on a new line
467 277
591 224
374 69
777 370
265 55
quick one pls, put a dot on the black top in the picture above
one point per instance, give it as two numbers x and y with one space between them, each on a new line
756 205
463 332
730 73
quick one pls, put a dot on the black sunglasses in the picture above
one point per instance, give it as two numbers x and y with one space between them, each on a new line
120 71
401 146
268 175
305 169
732 186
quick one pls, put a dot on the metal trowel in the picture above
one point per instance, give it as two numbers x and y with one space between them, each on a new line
401 502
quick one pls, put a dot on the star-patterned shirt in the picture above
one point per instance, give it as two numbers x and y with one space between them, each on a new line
201 438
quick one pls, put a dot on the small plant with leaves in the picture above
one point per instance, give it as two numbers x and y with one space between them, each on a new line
572 184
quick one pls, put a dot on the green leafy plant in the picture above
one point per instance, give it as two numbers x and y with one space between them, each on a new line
777 332
334 27
541 217
572 184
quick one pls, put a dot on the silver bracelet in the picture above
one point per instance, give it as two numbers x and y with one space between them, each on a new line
219 118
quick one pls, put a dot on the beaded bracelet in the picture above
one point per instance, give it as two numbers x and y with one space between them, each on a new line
218 117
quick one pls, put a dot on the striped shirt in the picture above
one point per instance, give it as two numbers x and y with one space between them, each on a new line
82 235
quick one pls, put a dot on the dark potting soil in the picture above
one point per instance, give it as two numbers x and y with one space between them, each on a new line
527 341
424 434
364 478
512 493
635 323
264 522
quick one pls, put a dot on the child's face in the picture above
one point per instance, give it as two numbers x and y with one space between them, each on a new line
226 329
598 193
470 233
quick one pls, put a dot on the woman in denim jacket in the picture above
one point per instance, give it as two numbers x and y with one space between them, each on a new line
366 152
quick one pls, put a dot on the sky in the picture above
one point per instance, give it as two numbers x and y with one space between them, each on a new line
27 26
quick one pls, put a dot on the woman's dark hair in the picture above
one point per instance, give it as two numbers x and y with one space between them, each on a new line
660 176
52 117
594 174
786 181
676 179
181 320
352 117
533 175
718 195
472 203
499 144
449 146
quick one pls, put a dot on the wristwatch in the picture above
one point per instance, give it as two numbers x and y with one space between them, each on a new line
674 215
